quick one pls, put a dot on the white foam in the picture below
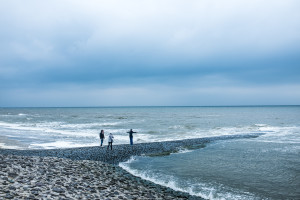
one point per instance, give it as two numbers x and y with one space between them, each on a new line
89 125
203 133
50 127
275 134
261 125
91 131
60 144
146 176
5 146
183 150
207 192
176 127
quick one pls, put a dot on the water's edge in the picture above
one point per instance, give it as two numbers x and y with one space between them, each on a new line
124 152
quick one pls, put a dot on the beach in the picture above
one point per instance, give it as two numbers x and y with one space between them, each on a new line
178 153
85 173
25 177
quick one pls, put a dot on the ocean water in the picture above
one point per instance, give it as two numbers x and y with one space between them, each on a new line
266 167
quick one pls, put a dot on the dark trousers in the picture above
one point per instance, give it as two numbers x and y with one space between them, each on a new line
131 140
109 144
101 141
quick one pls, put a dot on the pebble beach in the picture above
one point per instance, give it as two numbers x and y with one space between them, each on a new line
86 173
24 177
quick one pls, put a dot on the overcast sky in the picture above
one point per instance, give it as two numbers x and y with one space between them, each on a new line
138 52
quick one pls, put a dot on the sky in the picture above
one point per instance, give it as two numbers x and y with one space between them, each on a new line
149 53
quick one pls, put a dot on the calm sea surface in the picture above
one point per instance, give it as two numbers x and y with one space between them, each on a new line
266 167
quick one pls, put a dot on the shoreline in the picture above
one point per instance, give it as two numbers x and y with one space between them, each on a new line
124 152
28 177
42 174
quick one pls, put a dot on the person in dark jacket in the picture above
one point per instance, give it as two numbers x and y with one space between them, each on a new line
131 136
101 135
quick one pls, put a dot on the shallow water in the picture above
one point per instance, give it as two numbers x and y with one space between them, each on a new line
236 169
266 167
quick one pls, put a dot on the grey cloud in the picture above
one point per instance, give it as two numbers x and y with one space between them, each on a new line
128 43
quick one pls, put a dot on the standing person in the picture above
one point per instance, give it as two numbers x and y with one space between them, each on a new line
131 136
110 141
101 135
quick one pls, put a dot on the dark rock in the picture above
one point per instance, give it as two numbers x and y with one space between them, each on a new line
58 190
39 184
11 181
150 196
12 188
31 197
13 175
34 192
9 196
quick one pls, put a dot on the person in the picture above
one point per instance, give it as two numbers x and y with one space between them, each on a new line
110 141
131 136
101 135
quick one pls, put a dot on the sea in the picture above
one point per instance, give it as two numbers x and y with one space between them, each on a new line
264 167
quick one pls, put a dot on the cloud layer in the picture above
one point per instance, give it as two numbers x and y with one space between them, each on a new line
157 52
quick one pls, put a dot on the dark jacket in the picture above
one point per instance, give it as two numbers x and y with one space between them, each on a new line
101 135
130 133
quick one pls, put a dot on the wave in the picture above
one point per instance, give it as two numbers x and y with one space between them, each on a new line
90 131
6 146
59 144
183 150
59 128
89 125
208 191
275 134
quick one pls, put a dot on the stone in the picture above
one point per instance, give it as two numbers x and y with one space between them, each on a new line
34 192
9 196
11 181
13 175
12 188
58 190
39 184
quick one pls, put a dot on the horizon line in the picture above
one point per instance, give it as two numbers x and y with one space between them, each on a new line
145 106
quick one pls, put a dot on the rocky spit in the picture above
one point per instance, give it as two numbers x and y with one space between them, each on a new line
87 173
